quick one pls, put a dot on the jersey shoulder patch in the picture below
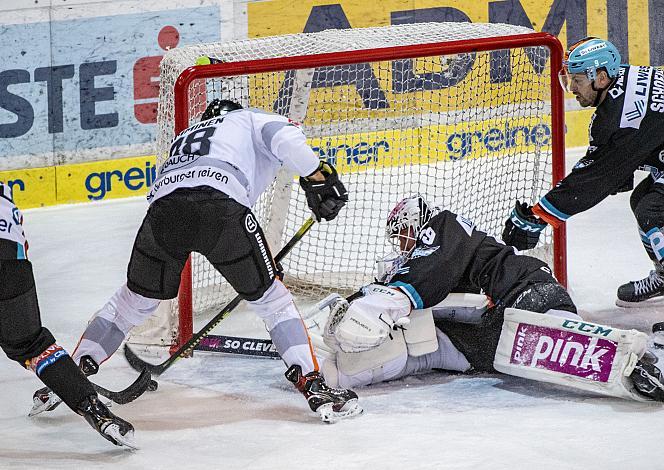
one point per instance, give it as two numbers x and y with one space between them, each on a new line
636 96
466 224
423 251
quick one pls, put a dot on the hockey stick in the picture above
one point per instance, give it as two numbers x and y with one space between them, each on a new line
157 369
253 347
131 393
257 347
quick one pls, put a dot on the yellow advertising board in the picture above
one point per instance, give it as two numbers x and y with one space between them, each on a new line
111 179
578 19
105 180
631 30
32 187
429 144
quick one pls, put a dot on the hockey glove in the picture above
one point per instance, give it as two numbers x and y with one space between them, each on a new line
523 228
325 198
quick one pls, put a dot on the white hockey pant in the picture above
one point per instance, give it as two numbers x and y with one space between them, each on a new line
284 323
108 327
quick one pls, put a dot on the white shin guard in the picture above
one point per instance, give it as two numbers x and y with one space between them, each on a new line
109 325
284 323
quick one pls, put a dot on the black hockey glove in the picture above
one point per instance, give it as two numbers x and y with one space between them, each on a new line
325 198
523 228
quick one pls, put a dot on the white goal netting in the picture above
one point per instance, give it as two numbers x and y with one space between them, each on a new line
471 130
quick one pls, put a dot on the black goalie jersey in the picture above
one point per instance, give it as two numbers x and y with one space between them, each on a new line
626 134
452 256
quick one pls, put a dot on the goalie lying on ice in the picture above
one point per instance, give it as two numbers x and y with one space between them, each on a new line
409 323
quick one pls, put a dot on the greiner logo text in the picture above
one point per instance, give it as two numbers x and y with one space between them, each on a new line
463 144
359 154
100 184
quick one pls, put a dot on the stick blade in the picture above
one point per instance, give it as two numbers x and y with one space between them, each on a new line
139 365
129 394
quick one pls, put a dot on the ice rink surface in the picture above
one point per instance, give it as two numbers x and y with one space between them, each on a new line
235 413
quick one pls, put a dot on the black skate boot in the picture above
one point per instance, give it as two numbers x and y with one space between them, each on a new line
646 292
332 404
112 428
45 399
647 377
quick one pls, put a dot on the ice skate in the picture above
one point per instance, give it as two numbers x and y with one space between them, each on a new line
647 377
331 404
44 399
645 292
112 428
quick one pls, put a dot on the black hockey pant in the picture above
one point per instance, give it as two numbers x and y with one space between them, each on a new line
206 221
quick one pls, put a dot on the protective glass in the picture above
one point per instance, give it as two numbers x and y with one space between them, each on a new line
571 80
564 76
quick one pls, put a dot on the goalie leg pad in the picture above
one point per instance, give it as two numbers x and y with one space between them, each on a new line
570 352
379 364
446 357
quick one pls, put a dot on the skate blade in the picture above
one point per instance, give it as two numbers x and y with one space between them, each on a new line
39 406
113 432
654 302
351 409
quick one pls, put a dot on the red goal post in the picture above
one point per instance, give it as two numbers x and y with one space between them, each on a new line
195 81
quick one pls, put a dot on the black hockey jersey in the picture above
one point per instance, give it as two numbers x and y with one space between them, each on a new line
452 256
626 134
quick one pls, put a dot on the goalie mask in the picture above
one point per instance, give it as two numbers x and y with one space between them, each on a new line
218 108
405 222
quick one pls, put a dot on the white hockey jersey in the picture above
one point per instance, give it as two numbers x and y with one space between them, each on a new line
239 154
11 219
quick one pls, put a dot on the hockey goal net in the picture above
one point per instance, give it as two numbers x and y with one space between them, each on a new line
468 115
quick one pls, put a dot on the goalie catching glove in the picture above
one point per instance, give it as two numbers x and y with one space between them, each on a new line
368 321
325 198
523 228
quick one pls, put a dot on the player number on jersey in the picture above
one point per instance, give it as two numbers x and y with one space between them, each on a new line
428 236
194 143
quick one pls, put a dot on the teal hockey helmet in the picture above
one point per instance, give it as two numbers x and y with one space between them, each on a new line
590 54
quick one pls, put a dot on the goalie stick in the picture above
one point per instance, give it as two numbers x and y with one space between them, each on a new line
157 369
256 347
131 393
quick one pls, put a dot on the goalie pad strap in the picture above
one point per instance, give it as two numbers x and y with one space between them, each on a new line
569 352
420 333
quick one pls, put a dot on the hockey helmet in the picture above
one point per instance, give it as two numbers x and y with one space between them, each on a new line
405 222
587 56
218 108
